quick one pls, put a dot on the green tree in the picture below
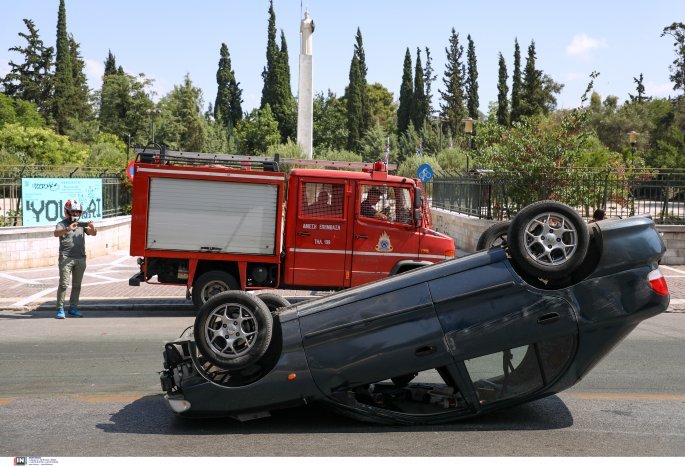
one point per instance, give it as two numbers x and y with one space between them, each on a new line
31 80
640 88
19 111
406 96
81 104
472 102
40 146
429 77
538 89
64 93
227 107
420 102
330 123
373 144
677 68
107 151
110 64
356 96
452 108
516 84
502 90
182 125
256 132
276 75
382 106
125 107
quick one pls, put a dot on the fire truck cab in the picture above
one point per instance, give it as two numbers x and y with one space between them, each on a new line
214 224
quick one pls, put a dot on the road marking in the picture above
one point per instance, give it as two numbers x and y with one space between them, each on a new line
108 398
17 279
630 396
40 294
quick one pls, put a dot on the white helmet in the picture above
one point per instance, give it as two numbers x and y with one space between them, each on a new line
73 209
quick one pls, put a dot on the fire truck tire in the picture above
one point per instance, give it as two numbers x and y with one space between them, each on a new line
273 301
210 284
233 330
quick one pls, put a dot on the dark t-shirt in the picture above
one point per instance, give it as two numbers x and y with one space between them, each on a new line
73 243
368 209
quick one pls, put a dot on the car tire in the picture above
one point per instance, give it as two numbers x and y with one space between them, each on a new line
210 284
273 301
494 236
233 330
548 239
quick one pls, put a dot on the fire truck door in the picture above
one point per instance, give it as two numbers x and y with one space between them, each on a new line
383 232
320 234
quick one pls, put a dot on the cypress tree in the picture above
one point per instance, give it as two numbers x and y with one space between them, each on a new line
365 120
472 103
502 90
532 101
272 55
63 80
110 64
354 106
429 78
357 96
31 80
420 107
516 85
406 96
227 106
80 104
453 109
285 107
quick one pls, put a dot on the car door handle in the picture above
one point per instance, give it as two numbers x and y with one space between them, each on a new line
548 318
424 350
303 233
361 237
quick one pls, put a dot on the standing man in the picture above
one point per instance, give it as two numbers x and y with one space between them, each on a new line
72 256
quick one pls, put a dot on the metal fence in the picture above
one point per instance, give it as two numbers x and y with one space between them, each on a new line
116 195
499 195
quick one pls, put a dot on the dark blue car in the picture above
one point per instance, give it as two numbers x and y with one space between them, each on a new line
516 322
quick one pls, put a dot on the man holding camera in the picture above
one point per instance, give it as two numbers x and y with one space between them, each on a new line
72 256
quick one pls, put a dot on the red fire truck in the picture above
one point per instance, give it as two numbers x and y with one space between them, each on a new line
217 222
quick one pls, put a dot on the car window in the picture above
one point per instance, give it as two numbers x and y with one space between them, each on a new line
386 203
322 200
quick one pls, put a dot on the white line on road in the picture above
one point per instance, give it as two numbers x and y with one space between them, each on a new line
17 279
679 272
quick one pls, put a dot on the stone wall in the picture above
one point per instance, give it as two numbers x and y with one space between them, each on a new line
26 247
466 230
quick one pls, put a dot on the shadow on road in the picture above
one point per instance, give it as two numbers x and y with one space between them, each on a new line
151 415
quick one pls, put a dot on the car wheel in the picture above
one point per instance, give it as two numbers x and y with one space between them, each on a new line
210 284
494 236
273 301
548 239
233 330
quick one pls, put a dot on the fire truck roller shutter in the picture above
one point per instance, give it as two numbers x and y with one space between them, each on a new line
212 216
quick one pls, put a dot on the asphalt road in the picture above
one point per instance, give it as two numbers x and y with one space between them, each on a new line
89 387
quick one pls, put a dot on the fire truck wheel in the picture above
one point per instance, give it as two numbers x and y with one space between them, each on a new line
210 284
273 301
233 330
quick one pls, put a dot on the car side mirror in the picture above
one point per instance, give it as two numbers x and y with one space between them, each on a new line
417 217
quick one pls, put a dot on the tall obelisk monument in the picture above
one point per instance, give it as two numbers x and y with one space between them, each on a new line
305 101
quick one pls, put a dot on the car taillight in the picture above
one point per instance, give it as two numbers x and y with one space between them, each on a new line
658 282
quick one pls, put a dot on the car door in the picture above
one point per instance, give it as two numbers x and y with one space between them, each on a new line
513 339
320 234
383 231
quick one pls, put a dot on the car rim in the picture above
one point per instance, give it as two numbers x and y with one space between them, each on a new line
231 330
213 288
550 239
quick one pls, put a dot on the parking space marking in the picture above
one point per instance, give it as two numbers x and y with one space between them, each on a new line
18 279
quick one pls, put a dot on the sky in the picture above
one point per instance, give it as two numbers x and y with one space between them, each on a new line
167 39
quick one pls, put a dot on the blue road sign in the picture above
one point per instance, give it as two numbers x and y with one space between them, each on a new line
424 173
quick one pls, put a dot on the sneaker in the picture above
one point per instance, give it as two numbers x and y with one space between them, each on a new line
74 312
60 314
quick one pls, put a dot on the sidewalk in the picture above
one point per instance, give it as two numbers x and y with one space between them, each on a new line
105 288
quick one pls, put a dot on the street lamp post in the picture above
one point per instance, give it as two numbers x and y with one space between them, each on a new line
468 130
152 112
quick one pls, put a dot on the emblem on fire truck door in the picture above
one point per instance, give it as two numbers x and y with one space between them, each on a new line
384 244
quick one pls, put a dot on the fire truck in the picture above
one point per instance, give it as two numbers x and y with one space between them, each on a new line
213 222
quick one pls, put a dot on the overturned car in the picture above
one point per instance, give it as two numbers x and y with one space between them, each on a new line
519 321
